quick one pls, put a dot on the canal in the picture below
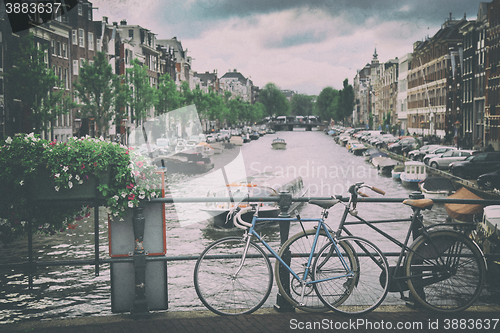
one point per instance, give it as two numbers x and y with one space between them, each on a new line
72 291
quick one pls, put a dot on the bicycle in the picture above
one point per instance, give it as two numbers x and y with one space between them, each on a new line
443 269
233 275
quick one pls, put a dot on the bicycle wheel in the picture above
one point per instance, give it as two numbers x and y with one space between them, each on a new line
446 271
299 246
225 290
360 292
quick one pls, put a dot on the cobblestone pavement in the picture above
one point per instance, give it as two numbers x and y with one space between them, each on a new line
384 319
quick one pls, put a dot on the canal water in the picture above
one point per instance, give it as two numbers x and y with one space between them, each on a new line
74 291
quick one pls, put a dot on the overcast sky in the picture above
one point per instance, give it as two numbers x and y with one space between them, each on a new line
301 45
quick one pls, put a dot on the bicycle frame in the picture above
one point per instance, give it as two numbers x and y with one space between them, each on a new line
416 228
321 226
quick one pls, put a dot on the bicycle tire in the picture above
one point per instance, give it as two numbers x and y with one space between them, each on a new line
357 294
456 288
225 294
300 246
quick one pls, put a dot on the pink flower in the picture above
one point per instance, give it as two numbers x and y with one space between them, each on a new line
130 186
140 164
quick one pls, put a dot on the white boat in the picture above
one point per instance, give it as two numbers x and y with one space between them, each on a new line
205 149
259 185
436 187
413 174
278 143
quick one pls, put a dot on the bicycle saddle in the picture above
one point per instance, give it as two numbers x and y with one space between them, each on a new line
419 203
327 203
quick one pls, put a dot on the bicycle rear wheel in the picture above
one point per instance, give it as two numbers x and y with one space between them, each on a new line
446 271
361 292
222 288
298 247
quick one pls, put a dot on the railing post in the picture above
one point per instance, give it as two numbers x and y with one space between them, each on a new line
285 201
140 306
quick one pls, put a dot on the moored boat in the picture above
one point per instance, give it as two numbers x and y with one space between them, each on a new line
384 164
397 170
436 187
463 212
278 143
259 185
413 174
186 161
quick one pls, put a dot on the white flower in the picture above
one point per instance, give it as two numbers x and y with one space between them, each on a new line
56 188
77 177
80 182
8 140
57 175
116 197
70 177
130 204
21 182
70 184
65 168
124 194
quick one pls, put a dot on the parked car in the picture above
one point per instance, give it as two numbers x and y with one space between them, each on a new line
211 138
436 152
418 154
489 181
476 165
404 145
444 160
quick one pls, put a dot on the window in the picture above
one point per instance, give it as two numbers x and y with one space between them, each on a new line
81 37
131 33
82 61
91 41
65 50
80 10
75 37
89 13
65 78
53 46
98 45
59 49
75 67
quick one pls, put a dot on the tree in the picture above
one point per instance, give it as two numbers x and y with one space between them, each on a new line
142 94
274 101
33 82
301 105
167 95
95 91
327 103
346 102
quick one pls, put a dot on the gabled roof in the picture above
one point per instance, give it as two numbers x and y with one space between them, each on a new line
236 75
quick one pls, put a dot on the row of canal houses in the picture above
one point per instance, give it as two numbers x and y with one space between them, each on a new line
74 37
448 87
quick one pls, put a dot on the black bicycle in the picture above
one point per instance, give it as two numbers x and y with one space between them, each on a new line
443 268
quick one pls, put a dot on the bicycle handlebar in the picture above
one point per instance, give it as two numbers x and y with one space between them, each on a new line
237 220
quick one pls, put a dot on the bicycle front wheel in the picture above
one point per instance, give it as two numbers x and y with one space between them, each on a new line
298 248
223 286
351 287
446 271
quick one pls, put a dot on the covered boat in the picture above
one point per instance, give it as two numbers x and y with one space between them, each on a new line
259 185
278 143
437 187
384 164
186 161
464 212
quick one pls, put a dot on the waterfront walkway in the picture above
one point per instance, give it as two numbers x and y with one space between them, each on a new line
385 318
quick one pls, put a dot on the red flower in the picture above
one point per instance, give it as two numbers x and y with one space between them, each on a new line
95 164
131 197
130 186
83 166
53 143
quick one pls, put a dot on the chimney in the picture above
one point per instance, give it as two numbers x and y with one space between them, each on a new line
105 19
123 22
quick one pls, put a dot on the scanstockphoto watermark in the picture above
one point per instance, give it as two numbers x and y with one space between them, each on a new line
322 180
356 324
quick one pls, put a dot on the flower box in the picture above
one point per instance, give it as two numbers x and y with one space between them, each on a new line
45 190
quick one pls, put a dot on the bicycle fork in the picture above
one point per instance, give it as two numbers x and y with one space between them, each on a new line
243 257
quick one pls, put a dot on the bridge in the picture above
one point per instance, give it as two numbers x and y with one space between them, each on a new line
289 126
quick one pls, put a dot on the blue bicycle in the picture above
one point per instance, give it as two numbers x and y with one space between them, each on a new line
234 275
